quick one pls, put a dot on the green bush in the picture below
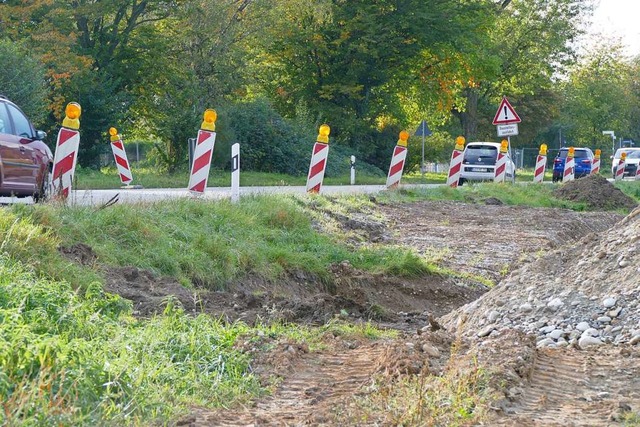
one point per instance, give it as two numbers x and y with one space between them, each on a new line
271 143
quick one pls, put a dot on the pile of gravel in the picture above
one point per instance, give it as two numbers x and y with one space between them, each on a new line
596 192
584 294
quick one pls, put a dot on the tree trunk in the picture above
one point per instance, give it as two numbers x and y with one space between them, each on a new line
470 120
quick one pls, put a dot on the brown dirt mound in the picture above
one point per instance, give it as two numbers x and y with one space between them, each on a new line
596 192
298 297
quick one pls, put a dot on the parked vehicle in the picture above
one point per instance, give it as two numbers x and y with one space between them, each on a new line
25 161
479 163
583 158
632 159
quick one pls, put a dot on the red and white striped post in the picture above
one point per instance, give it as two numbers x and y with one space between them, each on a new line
595 165
66 156
501 162
318 160
541 164
120 156
397 161
455 165
569 166
205 144
620 167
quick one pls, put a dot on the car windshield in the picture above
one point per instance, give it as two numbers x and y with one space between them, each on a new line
628 151
579 154
481 153
633 154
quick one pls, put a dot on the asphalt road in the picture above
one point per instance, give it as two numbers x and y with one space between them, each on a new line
137 195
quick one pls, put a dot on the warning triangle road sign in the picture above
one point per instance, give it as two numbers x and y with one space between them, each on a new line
423 129
506 114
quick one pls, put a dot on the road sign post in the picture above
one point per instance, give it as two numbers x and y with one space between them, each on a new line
505 119
423 131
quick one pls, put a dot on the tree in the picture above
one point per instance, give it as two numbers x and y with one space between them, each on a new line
22 81
345 60
529 45
600 94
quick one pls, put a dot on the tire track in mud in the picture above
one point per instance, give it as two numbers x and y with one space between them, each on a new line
577 388
309 395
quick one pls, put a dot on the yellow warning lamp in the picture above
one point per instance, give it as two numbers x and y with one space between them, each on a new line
504 146
598 152
404 137
572 152
72 116
114 134
623 157
323 134
543 150
460 143
209 120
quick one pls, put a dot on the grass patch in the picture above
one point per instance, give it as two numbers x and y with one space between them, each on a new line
148 177
630 188
202 243
70 358
522 195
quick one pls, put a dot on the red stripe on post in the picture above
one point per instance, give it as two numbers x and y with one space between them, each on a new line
118 144
199 187
315 189
63 166
396 168
318 147
203 136
539 170
500 170
201 162
317 168
65 135
455 169
122 162
124 178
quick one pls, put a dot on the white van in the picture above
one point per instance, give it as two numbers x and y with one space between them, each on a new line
479 163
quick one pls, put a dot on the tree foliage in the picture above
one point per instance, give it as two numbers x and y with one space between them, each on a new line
22 81
368 68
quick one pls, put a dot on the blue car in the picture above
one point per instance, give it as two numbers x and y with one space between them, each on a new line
583 159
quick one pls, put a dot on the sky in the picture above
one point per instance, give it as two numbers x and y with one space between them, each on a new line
618 19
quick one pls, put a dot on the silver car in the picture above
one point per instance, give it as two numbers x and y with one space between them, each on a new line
479 163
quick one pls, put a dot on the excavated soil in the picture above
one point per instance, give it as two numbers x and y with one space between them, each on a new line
401 303
535 386
596 192
489 240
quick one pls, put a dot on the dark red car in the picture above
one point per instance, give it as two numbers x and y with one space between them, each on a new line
25 161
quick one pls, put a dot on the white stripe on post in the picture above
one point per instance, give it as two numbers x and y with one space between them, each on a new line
235 172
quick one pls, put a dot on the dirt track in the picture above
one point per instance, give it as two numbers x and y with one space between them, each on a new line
308 397
577 388
565 388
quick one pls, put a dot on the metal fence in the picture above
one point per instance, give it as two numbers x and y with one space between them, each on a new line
525 158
